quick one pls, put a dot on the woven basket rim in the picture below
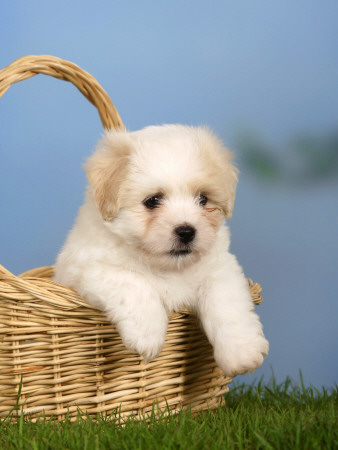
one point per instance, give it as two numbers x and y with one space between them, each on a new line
38 282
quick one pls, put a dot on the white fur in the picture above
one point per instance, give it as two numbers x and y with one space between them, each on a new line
118 257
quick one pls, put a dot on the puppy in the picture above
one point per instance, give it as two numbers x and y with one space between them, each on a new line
151 239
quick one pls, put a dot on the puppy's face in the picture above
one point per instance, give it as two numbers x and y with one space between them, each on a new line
164 190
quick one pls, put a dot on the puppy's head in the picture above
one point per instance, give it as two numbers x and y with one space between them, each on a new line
165 190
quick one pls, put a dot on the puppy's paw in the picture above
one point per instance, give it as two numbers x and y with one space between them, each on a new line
146 345
236 357
144 335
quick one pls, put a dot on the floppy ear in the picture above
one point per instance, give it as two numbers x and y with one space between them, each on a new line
106 170
220 172
229 185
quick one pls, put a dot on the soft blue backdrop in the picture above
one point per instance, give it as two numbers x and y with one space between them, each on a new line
246 68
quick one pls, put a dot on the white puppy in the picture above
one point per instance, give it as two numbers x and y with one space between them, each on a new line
151 239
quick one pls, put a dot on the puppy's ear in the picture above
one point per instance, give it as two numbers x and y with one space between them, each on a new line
229 185
220 173
106 170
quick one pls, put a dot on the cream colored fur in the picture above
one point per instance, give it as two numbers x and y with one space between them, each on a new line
127 259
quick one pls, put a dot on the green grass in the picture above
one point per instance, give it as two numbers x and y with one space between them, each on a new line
265 416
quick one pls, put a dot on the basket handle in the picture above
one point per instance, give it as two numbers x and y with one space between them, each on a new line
28 66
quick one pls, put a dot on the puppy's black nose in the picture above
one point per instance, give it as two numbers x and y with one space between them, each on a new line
186 233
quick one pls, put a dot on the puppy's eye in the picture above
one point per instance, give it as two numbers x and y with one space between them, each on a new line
153 202
202 200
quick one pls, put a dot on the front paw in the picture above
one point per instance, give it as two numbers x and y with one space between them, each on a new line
238 356
145 336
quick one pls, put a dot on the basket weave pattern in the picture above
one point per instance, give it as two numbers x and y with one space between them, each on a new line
64 353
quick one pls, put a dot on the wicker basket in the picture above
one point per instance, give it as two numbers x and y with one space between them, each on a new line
62 355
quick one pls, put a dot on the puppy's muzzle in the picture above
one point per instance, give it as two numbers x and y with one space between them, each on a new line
185 233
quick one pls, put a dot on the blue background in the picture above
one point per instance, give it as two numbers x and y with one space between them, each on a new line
262 74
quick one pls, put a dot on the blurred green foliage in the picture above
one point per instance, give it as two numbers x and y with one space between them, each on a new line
305 159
